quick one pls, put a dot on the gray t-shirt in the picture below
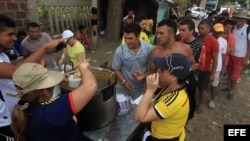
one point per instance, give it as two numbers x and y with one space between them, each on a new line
29 46
128 62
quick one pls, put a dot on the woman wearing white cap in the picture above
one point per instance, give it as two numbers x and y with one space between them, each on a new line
40 117
75 50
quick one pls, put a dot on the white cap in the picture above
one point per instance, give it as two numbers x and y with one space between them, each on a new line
67 34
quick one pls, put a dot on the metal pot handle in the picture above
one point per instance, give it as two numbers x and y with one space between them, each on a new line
110 76
72 65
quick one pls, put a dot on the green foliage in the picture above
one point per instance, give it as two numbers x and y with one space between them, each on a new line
231 2
42 11
220 2
240 1
224 2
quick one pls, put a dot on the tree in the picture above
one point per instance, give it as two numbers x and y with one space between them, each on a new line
114 19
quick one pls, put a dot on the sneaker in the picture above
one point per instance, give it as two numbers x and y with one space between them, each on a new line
238 81
211 104
230 96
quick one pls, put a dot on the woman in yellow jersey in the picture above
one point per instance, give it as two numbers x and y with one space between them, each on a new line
169 112
75 50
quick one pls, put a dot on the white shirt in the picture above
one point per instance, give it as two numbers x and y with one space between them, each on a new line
7 85
240 41
222 51
5 118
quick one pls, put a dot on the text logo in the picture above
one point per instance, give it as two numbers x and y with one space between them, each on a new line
236 132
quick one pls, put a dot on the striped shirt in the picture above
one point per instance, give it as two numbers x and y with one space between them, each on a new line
198 52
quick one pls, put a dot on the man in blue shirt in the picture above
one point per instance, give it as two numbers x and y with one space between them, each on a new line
129 58
17 46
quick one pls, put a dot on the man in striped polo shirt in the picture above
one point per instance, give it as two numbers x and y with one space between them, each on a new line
186 29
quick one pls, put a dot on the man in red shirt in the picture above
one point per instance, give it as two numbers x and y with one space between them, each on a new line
211 61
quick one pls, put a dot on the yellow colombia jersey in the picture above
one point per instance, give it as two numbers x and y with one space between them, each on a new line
173 109
143 37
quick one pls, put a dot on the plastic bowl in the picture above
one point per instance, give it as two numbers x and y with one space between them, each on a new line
74 82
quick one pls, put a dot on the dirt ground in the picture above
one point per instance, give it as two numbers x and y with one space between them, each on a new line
209 126
203 127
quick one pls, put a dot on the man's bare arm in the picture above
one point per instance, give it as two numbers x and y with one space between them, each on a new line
190 57
8 69
248 53
214 64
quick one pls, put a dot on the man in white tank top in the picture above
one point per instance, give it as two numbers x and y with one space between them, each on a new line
240 55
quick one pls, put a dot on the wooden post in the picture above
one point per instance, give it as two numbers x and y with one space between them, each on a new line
62 17
56 14
71 26
114 20
67 17
52 30
94 30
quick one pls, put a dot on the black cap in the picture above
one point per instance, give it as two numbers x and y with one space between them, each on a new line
177 64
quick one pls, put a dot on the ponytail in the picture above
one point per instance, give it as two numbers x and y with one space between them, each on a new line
191 84
20 115
19 123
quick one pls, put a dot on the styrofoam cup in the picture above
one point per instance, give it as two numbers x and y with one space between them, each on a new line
74 82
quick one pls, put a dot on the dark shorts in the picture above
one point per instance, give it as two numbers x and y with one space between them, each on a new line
203 80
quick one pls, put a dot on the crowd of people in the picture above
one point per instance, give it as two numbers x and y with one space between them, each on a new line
27 43
220 47
28 98
165 72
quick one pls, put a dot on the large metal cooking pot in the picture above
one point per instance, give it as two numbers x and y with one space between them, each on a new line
102 108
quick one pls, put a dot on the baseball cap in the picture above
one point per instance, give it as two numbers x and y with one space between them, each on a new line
218 27
67 34
177 64
33 76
